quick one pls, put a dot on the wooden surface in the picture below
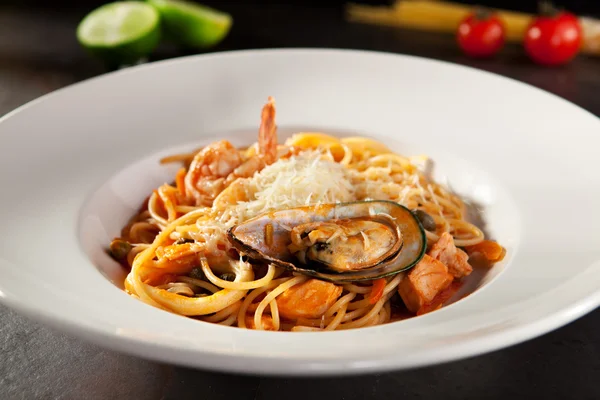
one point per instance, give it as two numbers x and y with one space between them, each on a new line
38 54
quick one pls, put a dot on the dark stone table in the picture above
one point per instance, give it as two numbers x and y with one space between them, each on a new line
38 54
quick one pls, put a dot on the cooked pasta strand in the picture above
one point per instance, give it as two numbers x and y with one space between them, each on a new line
182 260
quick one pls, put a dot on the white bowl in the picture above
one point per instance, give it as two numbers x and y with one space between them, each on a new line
78 162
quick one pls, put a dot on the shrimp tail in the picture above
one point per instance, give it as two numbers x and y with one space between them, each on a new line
267 134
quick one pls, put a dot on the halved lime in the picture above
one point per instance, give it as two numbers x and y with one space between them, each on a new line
192 25
121 32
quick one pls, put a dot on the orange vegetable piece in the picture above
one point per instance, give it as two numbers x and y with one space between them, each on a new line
180 181
491 250
176 251
377 290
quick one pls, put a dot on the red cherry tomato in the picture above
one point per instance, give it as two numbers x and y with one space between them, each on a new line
481 34
553 39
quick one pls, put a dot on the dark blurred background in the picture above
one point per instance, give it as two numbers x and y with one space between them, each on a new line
39 53
591 7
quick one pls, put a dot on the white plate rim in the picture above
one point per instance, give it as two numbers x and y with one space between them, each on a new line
577 308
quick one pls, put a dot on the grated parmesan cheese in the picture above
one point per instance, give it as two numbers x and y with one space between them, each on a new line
306 179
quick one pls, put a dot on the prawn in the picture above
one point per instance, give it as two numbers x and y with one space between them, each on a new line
219 164
267 145
267 134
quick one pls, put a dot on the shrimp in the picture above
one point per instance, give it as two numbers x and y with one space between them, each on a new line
219 164
267 145
209 170
237 192
267 134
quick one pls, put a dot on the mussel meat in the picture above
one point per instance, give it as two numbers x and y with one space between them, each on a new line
341 242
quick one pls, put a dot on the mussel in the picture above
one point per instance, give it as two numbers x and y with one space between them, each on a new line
341 242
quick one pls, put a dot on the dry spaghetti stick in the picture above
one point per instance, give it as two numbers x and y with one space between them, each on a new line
443 16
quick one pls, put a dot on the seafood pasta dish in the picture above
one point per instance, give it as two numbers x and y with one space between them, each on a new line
315 233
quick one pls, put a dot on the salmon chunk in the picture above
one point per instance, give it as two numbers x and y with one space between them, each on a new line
455 259
308 300
423 283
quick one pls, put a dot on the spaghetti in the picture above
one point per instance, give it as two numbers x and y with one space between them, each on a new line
181 260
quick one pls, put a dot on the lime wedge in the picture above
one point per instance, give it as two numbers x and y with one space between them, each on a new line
120 32
192 25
